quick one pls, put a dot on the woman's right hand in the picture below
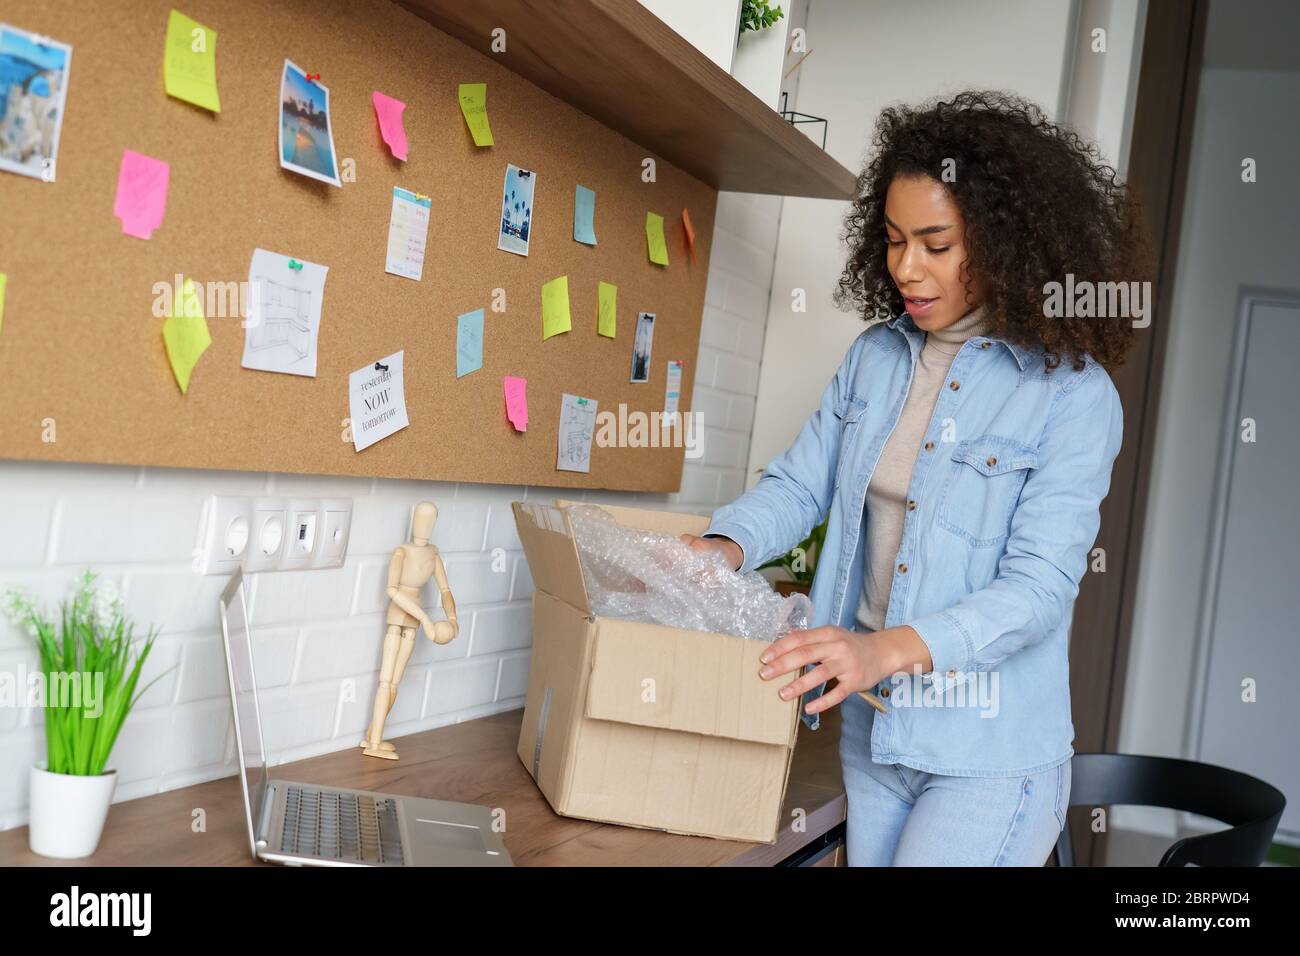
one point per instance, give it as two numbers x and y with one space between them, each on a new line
729 550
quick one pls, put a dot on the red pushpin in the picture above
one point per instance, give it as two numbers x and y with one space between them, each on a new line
312 76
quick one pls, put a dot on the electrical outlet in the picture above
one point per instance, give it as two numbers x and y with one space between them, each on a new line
273 534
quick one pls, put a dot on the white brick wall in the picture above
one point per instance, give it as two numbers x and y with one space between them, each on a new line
319 634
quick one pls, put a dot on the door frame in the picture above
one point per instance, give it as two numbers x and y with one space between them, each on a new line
1160 153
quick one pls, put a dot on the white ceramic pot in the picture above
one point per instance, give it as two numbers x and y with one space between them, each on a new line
68 812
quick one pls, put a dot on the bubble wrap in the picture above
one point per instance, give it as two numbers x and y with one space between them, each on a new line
656 578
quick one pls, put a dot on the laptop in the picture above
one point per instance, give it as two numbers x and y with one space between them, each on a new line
304 824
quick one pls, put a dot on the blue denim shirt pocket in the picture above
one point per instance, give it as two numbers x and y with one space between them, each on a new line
848 412
982 486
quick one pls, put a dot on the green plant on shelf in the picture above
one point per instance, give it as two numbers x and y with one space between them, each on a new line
758 15
90 664
800 562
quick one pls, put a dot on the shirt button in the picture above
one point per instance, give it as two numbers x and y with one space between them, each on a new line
954 385
902 569
929 446
991 461
884 692
911 505
952 672
984 345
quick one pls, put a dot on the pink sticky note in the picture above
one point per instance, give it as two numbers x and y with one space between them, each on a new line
141 193
517 402
389 112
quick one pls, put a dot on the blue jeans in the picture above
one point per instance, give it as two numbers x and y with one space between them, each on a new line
898 816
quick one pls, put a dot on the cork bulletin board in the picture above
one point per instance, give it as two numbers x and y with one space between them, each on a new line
80 344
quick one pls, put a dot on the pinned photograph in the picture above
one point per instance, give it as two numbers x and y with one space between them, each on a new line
306 140
516 210
641 343
33 90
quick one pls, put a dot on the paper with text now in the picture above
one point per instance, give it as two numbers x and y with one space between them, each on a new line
141 193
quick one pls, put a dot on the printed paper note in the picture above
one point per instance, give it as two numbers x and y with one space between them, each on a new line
469 342
473 106
584 215
555 307
408 229
607 313
516 391
674 390
577 423
389 111
284 307
654 238
377 401
141 193
185 335
190 62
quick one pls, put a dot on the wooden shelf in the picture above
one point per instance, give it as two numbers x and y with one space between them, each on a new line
620 64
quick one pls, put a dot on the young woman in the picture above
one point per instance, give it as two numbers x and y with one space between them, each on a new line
961 453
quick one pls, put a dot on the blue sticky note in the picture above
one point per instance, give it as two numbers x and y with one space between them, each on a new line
469 342
584 214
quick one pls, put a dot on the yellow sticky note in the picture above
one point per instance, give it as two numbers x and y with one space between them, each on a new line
654 239
555 307
606 322
473 105
3 279
190 62
185 335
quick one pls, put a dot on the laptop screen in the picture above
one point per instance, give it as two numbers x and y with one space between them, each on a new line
243 693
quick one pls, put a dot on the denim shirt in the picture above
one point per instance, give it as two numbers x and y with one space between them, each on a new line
1007 486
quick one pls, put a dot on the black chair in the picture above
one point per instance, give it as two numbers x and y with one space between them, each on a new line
1250 807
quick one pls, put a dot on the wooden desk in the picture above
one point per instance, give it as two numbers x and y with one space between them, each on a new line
473 762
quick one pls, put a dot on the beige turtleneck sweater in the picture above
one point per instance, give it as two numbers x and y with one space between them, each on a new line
887 506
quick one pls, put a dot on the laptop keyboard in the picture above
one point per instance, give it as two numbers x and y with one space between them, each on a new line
341 826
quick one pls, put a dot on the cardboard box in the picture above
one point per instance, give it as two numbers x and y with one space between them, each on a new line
640 724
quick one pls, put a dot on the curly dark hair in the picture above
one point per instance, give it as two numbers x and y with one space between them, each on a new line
1038 203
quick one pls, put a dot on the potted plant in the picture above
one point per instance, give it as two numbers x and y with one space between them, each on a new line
89 668
800 562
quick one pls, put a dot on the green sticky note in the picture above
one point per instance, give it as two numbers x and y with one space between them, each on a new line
473 105
555 307
185 335
190 62
606 321
654 239
3 279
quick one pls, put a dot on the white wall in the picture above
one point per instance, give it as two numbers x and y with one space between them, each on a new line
1233 234
316 630
867 54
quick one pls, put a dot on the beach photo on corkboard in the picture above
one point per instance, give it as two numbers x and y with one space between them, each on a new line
33 87
306 139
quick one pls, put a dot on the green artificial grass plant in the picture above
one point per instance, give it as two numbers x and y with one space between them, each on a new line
90 668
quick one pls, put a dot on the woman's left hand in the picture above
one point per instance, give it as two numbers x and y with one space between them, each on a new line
857 661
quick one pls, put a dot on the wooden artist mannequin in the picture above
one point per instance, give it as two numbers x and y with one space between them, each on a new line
409 570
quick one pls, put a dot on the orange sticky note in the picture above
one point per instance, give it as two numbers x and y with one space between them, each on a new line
516 391
690 232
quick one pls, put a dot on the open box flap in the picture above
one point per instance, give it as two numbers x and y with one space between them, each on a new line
547 539
693 681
